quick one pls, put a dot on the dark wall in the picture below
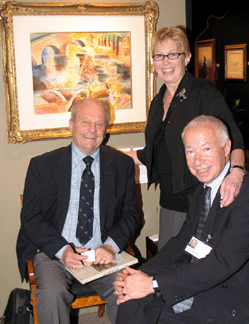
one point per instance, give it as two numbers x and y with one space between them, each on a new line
232 29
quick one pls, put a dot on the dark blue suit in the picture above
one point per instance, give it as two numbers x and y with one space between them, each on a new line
46 201
219 282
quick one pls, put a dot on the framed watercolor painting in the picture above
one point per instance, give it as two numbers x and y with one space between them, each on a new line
236 62
205 59
55 54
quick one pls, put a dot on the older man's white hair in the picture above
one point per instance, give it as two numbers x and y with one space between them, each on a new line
204 121
98 101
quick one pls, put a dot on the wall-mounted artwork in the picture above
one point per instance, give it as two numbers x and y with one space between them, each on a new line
236 62
55 54
205 59
69 66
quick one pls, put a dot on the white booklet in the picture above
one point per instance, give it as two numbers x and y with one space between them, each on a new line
93 272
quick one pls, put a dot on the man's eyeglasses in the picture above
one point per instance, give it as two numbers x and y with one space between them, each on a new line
170 56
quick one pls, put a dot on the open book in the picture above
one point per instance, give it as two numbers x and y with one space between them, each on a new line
93 272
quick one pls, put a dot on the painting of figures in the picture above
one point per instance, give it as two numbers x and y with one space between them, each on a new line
205 63
67 67
205 59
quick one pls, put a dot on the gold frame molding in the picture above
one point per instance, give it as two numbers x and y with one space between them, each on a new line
148 10
236 59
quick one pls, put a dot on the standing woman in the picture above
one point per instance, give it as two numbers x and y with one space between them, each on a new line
180 99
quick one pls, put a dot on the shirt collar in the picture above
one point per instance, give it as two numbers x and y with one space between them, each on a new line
78 155
220 177
216 183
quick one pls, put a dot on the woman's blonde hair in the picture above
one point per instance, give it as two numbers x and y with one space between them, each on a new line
177 33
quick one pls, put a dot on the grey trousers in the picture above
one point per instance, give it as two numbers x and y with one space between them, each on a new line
171 222
53 291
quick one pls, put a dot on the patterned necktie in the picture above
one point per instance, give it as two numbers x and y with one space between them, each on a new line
187 303
85 216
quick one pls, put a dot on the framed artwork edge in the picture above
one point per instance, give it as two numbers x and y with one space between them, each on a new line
231 61
148 10
206 43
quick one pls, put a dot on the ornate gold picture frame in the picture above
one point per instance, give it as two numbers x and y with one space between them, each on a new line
55 53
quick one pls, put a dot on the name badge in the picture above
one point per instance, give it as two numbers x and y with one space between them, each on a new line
197 248
90 254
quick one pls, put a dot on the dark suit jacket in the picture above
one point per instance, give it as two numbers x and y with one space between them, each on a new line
46 201
220 281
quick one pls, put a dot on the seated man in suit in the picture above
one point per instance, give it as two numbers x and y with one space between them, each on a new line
202 274
53 212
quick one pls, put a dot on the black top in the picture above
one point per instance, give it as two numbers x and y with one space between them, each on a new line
163 167
164 154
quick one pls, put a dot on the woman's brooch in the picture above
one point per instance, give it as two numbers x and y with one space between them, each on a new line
181 95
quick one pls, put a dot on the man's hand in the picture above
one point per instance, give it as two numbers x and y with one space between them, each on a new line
73 260
104 254
230 186
132 284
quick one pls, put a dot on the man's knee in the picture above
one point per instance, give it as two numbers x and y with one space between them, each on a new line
140 311
52 280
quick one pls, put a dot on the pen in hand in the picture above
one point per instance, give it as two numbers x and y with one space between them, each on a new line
73 247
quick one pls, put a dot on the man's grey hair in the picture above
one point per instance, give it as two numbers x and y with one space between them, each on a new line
102 103
204 121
